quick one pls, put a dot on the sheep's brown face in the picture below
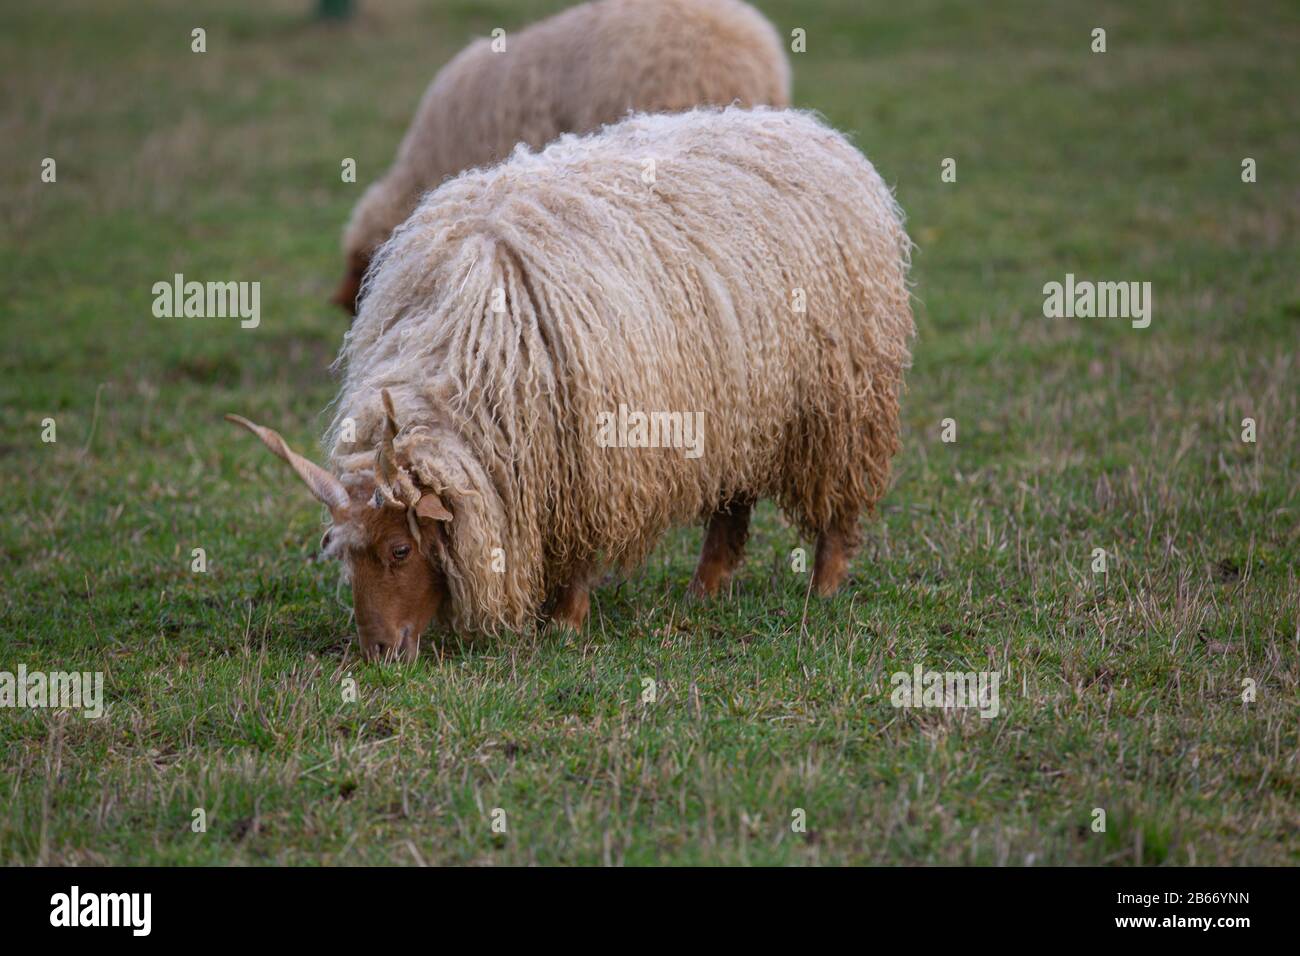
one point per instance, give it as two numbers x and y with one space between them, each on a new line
386 530
349 292
397 586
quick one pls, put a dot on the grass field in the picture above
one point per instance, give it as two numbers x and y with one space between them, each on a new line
1121 691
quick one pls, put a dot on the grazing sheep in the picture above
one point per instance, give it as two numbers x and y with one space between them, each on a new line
587 66
759 280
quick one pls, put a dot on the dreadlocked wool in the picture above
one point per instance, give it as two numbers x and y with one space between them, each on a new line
589 65
756 279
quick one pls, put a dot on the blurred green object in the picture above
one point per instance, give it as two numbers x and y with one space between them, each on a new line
335 9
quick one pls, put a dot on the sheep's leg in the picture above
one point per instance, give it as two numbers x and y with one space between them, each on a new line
724 547
835 547
573 601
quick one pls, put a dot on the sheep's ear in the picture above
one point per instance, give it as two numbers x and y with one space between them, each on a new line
431 508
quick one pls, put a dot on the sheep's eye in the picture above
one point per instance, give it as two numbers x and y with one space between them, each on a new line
401 552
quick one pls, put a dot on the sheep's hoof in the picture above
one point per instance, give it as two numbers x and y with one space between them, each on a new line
829 574
571 610
697 591
834 549
826 588
707 582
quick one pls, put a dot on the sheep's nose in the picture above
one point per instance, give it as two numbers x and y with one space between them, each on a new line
391 648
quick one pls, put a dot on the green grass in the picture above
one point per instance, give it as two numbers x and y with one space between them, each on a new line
1120 691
